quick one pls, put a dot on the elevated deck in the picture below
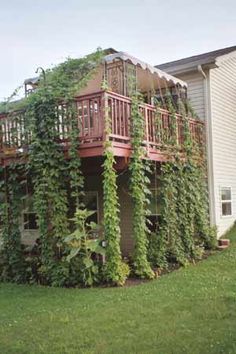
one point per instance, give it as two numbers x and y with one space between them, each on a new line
91 110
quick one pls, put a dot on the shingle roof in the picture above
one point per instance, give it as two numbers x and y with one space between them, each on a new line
205 58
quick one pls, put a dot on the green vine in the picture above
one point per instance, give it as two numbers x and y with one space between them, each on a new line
139 183
51 106
12 265
82 248
74 165
184 229
58 183
172 129
47 164
115 270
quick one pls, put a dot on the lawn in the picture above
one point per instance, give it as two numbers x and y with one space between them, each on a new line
192 310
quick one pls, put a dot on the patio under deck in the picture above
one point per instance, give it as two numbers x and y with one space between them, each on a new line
91 110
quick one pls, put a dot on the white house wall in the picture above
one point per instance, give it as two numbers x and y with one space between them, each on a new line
223 110
195 83
223 120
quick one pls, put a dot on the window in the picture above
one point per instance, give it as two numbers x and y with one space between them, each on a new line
91 203
155 208
226 201
29 216
30 221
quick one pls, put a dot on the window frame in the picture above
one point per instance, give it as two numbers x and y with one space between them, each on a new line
226 201
97 197
27 208
23 221
24 212
155 191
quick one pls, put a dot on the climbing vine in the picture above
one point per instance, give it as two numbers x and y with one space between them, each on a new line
184 229
53 131
74 165
139 183
47 163
115 270
49 112
12 265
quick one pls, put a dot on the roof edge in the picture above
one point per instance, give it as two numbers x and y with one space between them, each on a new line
161 74
208 58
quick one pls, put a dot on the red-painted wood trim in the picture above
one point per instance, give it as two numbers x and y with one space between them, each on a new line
119 109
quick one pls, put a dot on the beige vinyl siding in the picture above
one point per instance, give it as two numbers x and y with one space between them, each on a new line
223 110
195 91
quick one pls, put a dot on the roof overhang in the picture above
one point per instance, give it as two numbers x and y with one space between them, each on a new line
191 67
161 74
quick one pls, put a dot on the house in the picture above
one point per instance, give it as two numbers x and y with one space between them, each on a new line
123 73
211 79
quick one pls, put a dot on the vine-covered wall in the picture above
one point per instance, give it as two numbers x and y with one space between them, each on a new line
67 253
184 231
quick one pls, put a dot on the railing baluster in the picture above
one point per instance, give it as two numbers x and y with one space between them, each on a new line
115 116
177 130
105 112
120 120
88 117
146 124
123 118
91 111
83 118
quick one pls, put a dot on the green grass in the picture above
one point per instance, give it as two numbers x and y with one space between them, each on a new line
192 310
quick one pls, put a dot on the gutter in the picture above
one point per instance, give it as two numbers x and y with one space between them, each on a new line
200 70
182 69
209 137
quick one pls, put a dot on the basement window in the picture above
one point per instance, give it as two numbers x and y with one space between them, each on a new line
29 216
30 221
91 203
226 201
153 220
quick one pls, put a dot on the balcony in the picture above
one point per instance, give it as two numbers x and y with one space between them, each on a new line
91 110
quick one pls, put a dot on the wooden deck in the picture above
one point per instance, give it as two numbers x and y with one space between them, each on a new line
91 110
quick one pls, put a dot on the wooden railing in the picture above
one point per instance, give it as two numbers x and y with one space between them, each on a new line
159 129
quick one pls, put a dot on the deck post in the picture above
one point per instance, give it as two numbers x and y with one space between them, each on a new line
178 142
105 116
146 129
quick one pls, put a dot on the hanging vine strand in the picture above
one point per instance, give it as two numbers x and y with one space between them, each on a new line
139 187
115 270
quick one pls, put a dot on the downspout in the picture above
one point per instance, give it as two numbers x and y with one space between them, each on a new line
209 144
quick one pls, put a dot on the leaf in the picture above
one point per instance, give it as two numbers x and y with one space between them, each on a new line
101 250
92 245
88 262
93 225
73 253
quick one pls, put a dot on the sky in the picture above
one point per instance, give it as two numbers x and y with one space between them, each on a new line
37 33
